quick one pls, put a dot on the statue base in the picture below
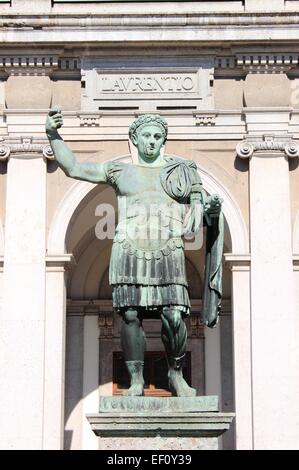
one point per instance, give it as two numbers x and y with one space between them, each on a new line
155 423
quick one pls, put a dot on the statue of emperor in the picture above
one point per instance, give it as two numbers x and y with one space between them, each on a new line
147 265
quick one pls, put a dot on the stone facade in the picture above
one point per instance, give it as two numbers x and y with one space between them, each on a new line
225 76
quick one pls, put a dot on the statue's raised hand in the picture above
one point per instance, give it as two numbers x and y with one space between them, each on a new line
54 121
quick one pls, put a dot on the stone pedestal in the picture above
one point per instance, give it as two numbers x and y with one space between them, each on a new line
159 423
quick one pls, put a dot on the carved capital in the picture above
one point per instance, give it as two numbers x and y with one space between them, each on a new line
26 146
267 143
292 149
4 151
48 152
244 149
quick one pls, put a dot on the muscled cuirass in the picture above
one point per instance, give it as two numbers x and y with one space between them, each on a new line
148 216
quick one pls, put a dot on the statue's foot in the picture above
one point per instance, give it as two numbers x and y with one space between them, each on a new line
136 390
178 384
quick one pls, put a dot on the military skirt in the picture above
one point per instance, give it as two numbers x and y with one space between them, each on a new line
149 279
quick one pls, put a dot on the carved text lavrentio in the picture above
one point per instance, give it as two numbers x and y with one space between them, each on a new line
153 83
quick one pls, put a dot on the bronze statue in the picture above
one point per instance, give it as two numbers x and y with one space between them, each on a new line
147 265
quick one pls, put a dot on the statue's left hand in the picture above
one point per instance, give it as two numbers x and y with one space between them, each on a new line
213 205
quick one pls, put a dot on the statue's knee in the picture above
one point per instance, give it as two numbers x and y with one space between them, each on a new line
131 316
173 316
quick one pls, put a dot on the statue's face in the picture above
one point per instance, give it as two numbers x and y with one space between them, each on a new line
149 140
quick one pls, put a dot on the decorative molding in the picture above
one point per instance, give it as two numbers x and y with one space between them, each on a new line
89 120
267 63
84 20
58 263
89 307
258 63
28 64
267 143
204 119
41 64
237 262
26 146
225 62
158 423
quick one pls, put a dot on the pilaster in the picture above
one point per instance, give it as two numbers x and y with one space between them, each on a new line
240 268
22 317
275 374
55 324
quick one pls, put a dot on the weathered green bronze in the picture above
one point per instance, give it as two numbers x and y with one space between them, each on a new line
147 265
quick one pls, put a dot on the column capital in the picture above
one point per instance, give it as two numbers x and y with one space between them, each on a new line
268 143
25 147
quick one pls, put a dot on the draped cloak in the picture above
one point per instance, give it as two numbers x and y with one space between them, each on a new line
147 264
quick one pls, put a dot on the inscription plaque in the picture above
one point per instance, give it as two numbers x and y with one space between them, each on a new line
147 83
147 86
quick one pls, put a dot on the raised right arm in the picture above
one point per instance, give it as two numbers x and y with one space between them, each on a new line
87 171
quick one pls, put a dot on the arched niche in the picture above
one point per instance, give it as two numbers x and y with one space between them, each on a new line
72 231
70 205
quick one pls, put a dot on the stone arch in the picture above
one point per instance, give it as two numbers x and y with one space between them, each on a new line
80 189
79 192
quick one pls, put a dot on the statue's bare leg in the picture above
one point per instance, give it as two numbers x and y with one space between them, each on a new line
133 346
174 337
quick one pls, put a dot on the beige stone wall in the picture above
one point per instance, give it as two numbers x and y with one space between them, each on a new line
229 93
66 94
39 92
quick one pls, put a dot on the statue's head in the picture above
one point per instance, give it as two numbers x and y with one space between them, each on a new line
148 133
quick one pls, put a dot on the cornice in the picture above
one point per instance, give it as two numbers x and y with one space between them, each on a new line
74 28
68 20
